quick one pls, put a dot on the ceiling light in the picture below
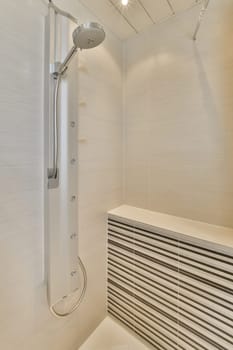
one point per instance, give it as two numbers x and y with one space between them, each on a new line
125 2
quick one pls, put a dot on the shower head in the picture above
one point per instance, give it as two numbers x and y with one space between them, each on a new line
88 35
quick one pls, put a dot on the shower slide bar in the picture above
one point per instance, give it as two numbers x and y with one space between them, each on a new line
57 71
53 174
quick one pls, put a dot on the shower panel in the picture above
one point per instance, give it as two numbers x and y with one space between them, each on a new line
61 171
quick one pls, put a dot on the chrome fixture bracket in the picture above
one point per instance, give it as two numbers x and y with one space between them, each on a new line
53 182
201 16
61 12
54 69
57 69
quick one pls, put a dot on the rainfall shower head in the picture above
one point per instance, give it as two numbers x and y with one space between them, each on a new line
88 36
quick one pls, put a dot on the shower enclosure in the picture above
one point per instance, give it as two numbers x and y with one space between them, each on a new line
126 150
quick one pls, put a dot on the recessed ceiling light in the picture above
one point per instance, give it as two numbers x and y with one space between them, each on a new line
125 2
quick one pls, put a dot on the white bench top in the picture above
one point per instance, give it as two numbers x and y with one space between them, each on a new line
196 229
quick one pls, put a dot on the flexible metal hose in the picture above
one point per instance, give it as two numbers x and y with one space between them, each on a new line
80 299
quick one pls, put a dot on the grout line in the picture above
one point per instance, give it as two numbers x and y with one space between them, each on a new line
124 64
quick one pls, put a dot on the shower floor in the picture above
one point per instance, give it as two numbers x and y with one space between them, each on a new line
111 336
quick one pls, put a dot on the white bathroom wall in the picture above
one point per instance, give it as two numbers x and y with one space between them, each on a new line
25 320
178 117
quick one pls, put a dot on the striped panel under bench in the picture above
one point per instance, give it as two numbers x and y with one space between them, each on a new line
173 293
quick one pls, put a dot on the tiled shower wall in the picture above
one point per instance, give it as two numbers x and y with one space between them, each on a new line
26 322
178 117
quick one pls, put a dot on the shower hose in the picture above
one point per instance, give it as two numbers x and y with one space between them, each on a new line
80 299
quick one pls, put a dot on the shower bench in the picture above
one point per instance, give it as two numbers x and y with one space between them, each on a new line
170 279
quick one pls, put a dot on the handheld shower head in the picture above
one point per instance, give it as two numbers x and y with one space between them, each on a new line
88 36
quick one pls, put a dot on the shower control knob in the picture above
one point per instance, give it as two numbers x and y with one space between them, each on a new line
73 160
73 198
73 273
72 124
73 236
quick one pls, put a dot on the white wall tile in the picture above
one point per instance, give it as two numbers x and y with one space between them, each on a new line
178 117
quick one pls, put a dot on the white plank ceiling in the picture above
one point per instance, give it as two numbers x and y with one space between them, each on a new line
125 21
